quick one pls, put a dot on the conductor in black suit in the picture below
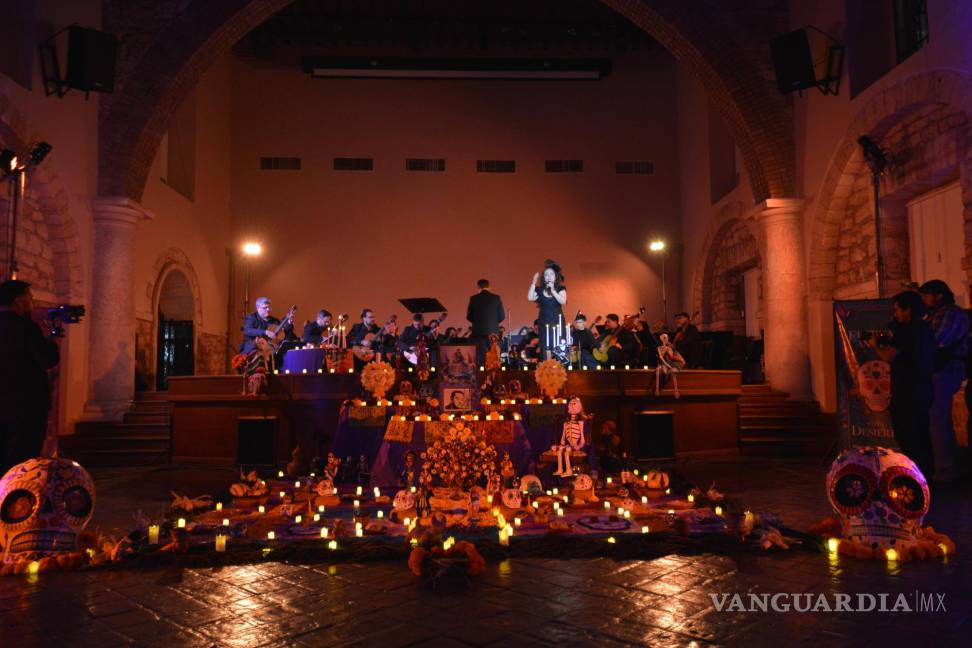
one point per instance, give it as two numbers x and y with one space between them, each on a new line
485 312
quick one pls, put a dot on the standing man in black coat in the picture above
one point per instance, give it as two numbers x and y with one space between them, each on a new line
25 393
485 312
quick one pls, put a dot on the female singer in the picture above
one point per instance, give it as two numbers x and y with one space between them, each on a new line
548 291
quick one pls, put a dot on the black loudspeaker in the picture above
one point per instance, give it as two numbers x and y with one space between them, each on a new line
793 61
654 435
91 59
256 441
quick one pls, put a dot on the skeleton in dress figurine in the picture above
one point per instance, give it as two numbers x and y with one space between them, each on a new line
670 362
571 439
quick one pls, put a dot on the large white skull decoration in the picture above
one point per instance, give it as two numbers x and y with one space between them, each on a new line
404 500
880 495
44 504
874 379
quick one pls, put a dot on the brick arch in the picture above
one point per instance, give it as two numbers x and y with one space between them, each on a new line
157 76
938 89
731 244
725 45
48 226
154 81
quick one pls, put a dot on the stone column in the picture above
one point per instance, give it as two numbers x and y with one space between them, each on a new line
786 355
111 312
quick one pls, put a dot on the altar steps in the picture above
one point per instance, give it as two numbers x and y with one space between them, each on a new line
142 438
772 426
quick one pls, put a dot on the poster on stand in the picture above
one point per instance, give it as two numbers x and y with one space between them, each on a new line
863 378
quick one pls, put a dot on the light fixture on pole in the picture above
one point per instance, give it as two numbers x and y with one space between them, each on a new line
14 169
658 247
251 249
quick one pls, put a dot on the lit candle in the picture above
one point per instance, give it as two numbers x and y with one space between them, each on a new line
504 537
412 489
555 491
358 491
357 504
381 514
671 511
317 517
832 545
225 521
407 521
620 510
153 534
323 532
691 497
644 499
220 542
718 510
627 514
560 512
607 504
298 519
261 509
609 480
296 484
219 506
283 494
516 522
320 509
536 505
645 529
280 473
181 523
359 532
271 535
377 492
332 545
334 491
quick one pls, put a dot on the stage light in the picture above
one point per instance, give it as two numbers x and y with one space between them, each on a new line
8 161
657 246
252 249
39 152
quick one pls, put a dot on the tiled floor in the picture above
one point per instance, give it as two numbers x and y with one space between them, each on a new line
597 602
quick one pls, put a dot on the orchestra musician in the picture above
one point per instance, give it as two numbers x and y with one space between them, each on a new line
623 347
584 341
409 339
359 332
548 291
688 340
315 332
259 322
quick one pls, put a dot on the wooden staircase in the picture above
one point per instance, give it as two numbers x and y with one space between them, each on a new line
142 438
772 426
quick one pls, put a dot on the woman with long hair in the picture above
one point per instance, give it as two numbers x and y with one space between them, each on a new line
550 294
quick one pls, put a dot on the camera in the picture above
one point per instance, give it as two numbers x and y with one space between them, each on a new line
64 314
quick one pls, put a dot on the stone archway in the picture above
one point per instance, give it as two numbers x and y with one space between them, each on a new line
172 269
48 252
930 108
722 43
730 249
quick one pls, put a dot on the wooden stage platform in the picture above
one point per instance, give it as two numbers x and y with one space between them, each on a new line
206 410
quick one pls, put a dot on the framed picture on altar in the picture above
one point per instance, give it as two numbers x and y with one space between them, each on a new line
456 399
457 363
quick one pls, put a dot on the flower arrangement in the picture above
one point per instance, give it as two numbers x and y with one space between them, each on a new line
239 363
551 376
378 377
461 458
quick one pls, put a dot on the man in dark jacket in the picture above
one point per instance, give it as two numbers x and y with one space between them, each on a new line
25 393
485 312
688 341
259 322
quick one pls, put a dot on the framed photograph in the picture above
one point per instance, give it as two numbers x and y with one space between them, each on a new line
457 363
457 399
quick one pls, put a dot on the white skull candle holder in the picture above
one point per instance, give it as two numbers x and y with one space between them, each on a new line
880 495
44 504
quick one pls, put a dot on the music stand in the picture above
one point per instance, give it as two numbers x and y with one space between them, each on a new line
422 305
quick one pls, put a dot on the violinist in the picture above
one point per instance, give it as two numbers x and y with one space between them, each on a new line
688 340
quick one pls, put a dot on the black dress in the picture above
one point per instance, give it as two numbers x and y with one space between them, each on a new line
911 390
550 312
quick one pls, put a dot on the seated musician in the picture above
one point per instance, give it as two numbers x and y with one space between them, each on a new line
316 331
409 337
621 351
530 351
359 331
389 343
649 344
688 341
259 322
584 340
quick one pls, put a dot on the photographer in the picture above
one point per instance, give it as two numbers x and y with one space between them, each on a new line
25 394
911 352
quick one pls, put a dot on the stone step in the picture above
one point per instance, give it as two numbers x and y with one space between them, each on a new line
794 431
115 443
823 447
152 396
787 408
119 457
761 388
782 420
148 418
150 406
112 429
770 398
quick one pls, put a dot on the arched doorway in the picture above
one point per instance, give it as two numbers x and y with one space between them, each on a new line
175 330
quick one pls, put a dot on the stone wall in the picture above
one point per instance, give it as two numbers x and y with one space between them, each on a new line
210 354
144 354
734 250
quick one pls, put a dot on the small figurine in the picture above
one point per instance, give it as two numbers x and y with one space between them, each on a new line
425 488
571 439
363 471
670 362
333 466
259 365
507 471
408 478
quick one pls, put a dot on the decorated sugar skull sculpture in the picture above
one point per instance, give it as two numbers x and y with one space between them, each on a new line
880 495
44 504
405 500
874 382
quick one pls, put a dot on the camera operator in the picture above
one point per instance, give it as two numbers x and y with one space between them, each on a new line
25 394
911 351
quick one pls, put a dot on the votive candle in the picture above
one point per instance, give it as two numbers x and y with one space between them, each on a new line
220 542
153 534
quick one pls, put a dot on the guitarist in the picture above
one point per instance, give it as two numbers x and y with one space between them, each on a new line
620 342
688 341
259 323
360 331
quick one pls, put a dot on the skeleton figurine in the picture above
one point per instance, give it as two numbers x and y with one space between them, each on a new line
670 362
571 439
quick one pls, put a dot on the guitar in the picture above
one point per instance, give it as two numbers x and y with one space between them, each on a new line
277 332
609 340
414 354
364 350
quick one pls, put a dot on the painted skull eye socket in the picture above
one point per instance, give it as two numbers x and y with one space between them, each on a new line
905 495
18 506
853 489
77 501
